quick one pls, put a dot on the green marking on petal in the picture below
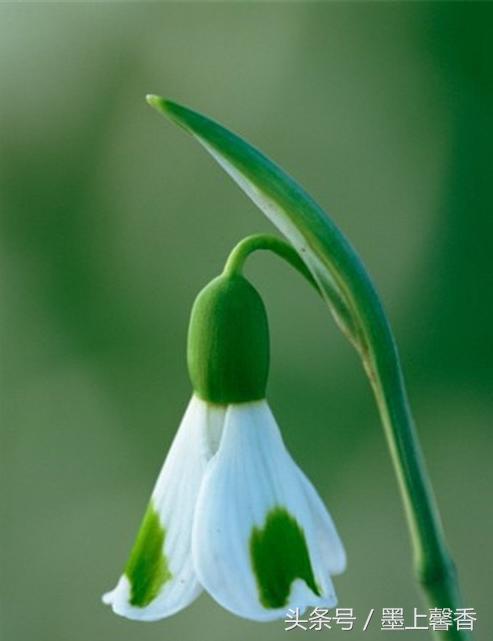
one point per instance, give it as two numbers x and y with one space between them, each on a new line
147 569
279 555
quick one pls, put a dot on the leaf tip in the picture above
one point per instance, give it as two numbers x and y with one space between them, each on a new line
168 108
155 101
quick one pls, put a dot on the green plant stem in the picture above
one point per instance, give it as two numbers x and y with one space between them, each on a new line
434 567
267 242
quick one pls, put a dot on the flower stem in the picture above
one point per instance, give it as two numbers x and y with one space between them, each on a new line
268 242
434 567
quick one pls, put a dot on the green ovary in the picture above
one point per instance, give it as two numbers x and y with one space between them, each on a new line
279 555
147 568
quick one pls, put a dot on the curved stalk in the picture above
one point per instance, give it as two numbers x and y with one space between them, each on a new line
348 290
267 242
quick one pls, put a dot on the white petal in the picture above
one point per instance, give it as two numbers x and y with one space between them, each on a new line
253 482
331 549
156 595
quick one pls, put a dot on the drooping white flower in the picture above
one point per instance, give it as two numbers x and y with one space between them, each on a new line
231 511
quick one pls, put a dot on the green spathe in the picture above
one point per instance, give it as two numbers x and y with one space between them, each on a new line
228 342
280 555
147 569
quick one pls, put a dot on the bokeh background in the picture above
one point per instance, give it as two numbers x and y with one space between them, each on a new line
112 220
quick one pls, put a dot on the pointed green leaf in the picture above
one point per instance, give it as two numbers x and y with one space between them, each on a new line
324 249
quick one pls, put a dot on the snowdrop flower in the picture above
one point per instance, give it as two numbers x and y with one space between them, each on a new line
231 512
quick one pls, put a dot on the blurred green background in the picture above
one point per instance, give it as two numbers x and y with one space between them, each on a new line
112 220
